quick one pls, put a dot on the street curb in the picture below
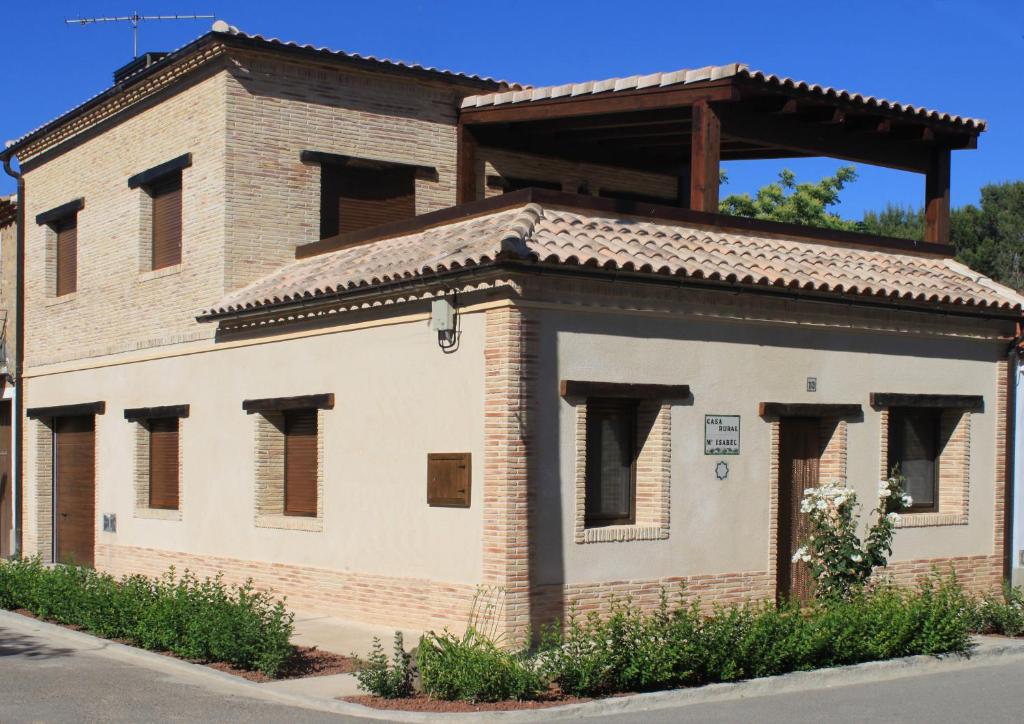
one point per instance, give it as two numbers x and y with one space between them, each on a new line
991 649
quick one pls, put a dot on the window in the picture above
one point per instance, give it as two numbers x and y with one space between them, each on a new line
300 462
163 463
611 462
914 446
67 254
166 237
353 198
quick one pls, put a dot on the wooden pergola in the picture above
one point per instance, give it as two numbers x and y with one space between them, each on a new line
688 128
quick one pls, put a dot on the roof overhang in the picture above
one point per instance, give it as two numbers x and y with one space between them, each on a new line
646 122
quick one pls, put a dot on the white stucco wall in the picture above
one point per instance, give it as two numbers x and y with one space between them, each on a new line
723 526
397 398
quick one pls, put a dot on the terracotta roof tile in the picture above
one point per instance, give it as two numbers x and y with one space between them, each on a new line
710 73
571 237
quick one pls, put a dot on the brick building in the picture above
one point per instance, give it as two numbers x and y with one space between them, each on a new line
376 335
8 327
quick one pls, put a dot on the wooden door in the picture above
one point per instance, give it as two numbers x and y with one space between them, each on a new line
74 489
6 494
799 455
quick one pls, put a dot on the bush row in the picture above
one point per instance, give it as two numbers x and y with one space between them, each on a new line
677 645
203 620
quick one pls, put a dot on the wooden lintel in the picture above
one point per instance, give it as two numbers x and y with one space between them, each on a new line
623 390
302 402
705 158
947 402
936 203
85 408
152 413
808 409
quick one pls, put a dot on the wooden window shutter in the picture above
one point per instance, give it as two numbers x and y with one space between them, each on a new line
358 198
448 479
166 195
67 255
300 462
163 463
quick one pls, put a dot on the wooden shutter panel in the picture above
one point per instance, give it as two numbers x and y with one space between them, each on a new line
359 198
300 462
163 463
448 479
67 255
166 222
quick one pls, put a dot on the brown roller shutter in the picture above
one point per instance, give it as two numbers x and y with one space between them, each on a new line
358 198
448 479
67 255
163 463
300 462
75 488
166 221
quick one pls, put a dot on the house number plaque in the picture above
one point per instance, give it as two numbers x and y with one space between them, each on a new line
721 434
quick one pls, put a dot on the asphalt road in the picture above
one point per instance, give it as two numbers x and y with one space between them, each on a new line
43 679
46 677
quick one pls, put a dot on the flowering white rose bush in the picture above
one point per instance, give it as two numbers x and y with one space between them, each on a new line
839 561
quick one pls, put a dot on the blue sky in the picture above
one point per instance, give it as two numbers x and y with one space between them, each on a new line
955 56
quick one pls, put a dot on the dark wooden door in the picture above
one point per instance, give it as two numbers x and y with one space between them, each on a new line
6 494
799 455
75 489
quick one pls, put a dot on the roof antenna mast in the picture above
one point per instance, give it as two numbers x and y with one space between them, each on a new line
134 19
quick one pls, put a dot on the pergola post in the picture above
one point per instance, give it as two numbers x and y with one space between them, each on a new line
705 156
936 202
465 171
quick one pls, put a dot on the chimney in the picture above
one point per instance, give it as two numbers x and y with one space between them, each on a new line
141 63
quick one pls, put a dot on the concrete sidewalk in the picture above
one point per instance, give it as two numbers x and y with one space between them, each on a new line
340 636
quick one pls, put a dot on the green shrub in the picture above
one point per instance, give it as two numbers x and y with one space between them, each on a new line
197 619
675 645
377 677
1002 614
474 668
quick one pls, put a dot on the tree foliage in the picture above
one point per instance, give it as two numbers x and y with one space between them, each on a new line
795 203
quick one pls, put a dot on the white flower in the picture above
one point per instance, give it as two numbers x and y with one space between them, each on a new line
883 488
894 517
907 501
856 557
801 555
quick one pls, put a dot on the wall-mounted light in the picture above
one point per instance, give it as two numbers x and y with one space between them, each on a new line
444 319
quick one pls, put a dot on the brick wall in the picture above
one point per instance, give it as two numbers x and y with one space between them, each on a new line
119 306
402 602
508 377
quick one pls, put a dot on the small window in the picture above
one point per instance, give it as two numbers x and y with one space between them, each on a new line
611 462
914 447
67 254
163 463
166 239
300 462
353 198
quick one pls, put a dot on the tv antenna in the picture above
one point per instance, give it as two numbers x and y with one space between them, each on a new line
134 19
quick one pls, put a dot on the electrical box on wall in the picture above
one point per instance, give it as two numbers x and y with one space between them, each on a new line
110 522
442 316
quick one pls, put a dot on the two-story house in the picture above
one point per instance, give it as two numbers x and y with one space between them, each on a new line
376 335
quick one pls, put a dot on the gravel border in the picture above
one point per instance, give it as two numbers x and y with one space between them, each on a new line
989 650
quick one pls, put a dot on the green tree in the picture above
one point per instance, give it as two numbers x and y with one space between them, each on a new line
795 203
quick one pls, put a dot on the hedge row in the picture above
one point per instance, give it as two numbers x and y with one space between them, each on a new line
202 620
677 645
